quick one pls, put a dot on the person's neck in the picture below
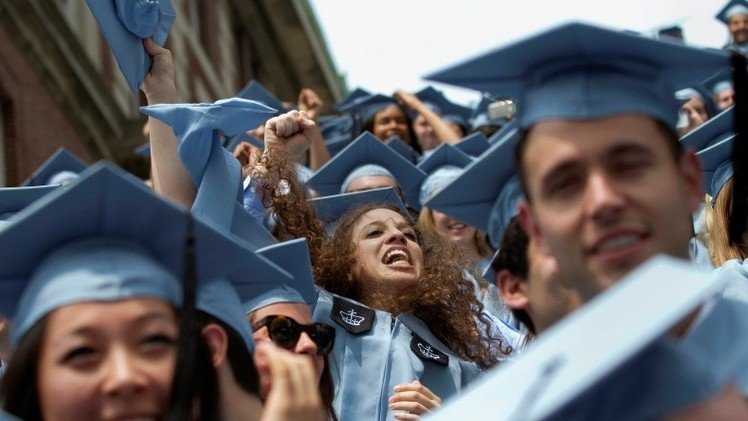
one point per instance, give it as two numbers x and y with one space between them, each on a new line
236 403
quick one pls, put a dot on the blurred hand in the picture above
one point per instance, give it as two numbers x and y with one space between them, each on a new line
310 102
294 393
414 398
294 131
408 99
159 86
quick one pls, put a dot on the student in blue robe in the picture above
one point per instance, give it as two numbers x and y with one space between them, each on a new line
99 286
389 282
735 15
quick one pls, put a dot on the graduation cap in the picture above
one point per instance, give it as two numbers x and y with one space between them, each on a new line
509 127
481 116
255 91
473 144
487 193
605 361
61 167
364 108
674 33
335 125
331 208
715 129
367 155
441 167
15 199
716 166
351 96
449 111
402 148
293 256
94 241
732 8
578 72
214 170
125 24
337 144
718 82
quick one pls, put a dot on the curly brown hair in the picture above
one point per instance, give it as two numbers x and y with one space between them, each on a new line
443 298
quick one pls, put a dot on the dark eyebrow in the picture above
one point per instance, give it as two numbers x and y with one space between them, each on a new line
629 148
560 169
140 320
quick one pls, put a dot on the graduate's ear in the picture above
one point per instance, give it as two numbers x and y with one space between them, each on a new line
513 290
690 168
218 343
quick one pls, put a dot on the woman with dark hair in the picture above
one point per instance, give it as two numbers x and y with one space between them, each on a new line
95 306
383 117
396 296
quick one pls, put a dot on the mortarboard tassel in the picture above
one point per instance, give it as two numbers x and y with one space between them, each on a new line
738 224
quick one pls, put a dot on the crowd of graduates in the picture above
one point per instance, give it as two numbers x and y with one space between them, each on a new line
573 246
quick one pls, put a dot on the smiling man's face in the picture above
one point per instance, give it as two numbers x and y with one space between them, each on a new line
605 195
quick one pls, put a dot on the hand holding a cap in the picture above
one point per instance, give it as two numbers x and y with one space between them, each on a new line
159 86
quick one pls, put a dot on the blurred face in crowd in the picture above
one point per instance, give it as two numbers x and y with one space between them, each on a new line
371 182
391 121
387 253
724 99
542 295
452 229
425 134
738 27
305 346
102 360
607 194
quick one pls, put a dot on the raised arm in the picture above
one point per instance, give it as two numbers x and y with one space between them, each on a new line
442 130
170 177
286 137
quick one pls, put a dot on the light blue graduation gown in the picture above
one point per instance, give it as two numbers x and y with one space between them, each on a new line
721 337
374 352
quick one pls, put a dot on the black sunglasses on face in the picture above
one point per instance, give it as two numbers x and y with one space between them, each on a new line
285 332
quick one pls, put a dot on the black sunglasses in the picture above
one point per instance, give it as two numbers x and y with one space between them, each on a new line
285 332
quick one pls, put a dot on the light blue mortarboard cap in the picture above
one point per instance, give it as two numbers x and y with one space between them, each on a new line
732 8
473 144
718 82
255 91
16 199
473 197
335 126
337 144
61 163
125 24
716 166
502 133
294 257
213 169
94 241
450 111
481 116
578 72
715 129
594 352
366 107
402 148
442 167
367 150
352 96
331 208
